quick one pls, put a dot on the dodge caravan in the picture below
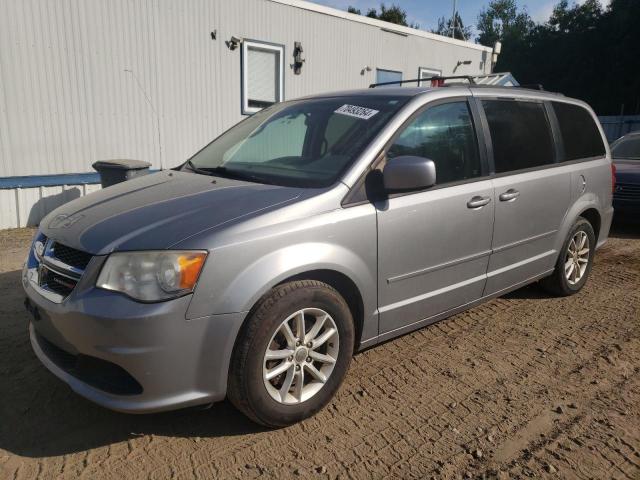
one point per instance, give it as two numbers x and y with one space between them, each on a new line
311 230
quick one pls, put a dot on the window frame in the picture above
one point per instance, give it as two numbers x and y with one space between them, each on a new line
551 122
437 72
358 193
275 47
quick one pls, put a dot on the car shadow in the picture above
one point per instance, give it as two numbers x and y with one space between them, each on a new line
625 228
531 291
41 416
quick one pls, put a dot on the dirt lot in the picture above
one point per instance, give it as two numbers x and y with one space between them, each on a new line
524 386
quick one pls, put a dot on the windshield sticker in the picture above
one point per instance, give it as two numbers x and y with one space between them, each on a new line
357 112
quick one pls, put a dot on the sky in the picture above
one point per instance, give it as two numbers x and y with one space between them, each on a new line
426 12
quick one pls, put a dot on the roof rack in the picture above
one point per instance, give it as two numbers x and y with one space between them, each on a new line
438 79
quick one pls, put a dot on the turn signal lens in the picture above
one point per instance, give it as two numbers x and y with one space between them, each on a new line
190 266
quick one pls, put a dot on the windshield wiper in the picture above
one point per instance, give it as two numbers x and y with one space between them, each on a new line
224 172
237 175
190 165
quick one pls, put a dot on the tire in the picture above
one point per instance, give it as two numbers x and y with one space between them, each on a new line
269 401
561 282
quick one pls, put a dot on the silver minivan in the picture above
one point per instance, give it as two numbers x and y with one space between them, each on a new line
311 230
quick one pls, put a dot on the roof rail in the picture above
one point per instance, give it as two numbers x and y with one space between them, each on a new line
533 86
429 79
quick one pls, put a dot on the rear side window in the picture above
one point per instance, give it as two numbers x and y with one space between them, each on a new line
520 134
580 133
445 134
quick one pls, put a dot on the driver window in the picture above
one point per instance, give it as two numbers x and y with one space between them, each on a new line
444 134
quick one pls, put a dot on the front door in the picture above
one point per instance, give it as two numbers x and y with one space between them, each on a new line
434 245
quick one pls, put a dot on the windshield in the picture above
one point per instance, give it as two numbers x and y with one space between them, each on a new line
305 143
627 148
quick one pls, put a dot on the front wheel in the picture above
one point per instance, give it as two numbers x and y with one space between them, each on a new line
292 354
574 262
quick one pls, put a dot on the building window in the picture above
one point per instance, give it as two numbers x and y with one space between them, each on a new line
424 72
262 75
383 76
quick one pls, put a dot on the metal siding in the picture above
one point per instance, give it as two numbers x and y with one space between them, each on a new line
66 99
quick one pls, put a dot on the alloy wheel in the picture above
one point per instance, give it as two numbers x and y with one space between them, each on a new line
577 257
300 356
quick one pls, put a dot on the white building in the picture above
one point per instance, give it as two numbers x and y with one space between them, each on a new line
155 80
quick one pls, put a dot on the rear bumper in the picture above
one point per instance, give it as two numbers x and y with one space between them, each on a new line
133 357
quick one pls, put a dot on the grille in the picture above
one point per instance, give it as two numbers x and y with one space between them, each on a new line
627 191
55 282
71 256
98 373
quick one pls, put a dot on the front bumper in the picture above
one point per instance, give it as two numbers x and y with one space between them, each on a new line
176 362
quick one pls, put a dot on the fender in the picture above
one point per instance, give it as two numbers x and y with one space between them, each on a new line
268 271
237 275
585 202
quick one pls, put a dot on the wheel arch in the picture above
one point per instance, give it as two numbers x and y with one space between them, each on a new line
586 207
346 287
593 217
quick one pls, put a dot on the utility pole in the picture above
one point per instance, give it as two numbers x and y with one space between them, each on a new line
453 20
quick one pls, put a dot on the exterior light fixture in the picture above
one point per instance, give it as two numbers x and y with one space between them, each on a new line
497 48
297 58
233 42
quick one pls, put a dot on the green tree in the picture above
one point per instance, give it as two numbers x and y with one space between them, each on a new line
584 51
445 26
392 14
501 20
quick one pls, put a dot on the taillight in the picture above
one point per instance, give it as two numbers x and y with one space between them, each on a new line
613 178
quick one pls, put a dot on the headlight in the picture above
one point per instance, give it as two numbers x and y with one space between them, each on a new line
152 276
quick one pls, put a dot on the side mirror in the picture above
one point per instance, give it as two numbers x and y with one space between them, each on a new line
409 173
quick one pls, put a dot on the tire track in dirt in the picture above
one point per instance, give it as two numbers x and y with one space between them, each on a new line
475 395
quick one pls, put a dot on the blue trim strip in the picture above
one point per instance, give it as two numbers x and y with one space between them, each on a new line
49 180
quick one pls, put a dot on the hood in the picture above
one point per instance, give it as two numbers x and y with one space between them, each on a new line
157 211
627 171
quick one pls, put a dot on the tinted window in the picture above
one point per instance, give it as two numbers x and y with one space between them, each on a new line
520 134
579 132
444 134
628 147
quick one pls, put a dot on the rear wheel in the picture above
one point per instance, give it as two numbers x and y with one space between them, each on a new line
574 262
292 353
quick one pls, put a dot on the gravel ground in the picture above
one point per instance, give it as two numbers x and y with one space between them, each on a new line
523 386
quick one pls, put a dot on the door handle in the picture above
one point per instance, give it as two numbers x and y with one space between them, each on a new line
509 195
478 202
